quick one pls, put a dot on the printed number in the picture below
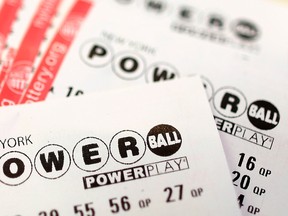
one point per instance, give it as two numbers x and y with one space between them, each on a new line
250 164
170 193
244 182
241 200
72 92
51 213
87 211
124 204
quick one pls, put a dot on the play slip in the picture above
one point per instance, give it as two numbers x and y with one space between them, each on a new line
238 53
147 150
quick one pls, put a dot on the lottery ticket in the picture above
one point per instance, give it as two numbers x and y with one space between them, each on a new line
11 30
41 19
70 158
240 55
23 46
8 12
226 39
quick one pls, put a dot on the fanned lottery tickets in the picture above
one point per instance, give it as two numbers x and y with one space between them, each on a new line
165 160
240 55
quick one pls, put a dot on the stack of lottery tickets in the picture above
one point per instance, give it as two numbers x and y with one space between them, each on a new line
143 107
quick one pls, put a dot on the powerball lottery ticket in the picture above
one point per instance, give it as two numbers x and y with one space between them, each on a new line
240 55
71 158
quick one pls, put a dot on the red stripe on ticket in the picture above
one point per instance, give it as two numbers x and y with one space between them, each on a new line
7 16
21 68
53 58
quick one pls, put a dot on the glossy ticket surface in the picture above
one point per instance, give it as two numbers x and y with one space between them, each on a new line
100 155
238 49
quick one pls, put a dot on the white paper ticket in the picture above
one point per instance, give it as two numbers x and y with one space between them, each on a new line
177 36
99 155
240 55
